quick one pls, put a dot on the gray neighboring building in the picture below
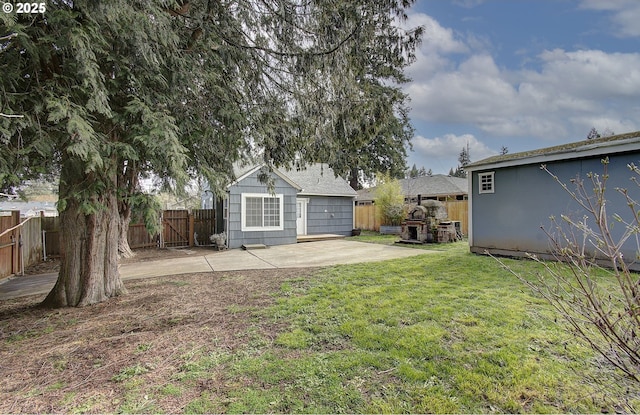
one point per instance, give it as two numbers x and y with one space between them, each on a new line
301 202
436 187
511 198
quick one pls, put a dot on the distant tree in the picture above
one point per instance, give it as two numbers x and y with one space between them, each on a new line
464 159
413 173
503 150
451 172
465 156
429 173
593 134
422 172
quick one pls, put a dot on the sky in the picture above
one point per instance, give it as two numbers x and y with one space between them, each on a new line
520 74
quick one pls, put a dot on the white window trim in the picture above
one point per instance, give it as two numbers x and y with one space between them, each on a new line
490 174
243 213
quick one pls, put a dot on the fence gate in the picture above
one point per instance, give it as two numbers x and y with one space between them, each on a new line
204 225
175 224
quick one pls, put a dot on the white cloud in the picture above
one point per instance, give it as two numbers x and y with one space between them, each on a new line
591 74
436 38
569 88
625 15
437 43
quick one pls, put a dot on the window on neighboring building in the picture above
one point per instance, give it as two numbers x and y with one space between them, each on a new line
485 182
262 212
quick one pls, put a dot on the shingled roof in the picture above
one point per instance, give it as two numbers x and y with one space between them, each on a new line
320 180
313 180
426 186
605 145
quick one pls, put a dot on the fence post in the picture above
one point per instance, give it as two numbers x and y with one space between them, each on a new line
191 228
15 238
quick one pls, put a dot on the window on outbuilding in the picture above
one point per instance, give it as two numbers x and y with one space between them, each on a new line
486 182
262 212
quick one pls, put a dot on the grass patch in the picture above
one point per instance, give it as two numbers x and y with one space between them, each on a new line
130 372
437 333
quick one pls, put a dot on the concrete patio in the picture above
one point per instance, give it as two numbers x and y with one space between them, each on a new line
301 255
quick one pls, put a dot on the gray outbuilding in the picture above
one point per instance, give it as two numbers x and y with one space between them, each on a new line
511 197
308 201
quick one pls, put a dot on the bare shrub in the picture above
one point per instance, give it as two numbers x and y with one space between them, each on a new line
592 285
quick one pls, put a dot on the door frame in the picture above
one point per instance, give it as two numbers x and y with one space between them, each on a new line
304 201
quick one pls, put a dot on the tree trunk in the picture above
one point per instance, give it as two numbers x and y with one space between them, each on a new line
127 180
124 219
353 179
89 237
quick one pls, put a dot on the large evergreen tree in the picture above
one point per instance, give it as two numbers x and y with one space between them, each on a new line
111 90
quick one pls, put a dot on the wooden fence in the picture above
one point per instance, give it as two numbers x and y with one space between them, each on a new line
31 241
9 253
204 225
179 228
366 217
20 243
138 237
51 232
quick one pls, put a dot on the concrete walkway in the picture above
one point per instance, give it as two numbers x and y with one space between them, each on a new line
302 255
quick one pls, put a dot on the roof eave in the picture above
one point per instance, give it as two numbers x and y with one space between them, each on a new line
303 193
597 149
274 170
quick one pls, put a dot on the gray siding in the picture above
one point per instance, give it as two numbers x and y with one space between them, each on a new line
251 184
329 214
526 197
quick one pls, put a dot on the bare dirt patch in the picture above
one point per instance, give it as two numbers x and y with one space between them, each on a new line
133 353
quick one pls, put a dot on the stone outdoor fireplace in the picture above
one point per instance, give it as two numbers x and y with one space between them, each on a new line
418 226
426 223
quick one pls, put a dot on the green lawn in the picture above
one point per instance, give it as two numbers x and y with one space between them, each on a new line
448 332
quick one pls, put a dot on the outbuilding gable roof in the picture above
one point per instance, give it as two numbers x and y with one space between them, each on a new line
313 180
585 148
243 171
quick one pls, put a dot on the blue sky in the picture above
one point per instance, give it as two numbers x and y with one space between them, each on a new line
521 74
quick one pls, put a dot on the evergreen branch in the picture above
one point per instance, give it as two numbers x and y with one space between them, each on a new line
8 37
291 54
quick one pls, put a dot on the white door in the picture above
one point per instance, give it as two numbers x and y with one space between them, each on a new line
301 216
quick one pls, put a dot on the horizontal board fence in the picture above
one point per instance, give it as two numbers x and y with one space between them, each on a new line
366 217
